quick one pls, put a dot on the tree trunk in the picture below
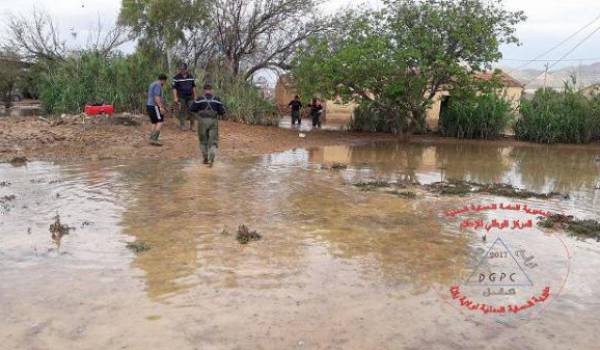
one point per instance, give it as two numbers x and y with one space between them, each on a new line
169 55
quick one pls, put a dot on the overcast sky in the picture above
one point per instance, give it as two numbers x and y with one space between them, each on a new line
549 22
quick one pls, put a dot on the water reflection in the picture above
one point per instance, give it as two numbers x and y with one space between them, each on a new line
537 168
367 259
557 169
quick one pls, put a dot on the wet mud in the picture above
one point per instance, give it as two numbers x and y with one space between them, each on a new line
245 235
18 161
585 229
458 188
462 188
138 246
58 230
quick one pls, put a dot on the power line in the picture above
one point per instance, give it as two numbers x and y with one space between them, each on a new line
551 60
548 67
559 44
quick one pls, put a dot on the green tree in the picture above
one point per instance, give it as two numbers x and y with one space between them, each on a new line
393 61
11 71
163 25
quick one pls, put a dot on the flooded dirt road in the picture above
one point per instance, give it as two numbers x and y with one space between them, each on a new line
337 267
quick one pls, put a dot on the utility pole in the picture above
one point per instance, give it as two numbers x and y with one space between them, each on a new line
546 76
580 77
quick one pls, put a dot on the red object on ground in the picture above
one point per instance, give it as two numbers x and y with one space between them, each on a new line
95 110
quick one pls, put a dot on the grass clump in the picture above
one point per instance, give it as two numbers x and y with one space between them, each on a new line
372 185
508 190
584 229
91 77
559 117
245 236
334 166
473 116
462 188
450 188
138 246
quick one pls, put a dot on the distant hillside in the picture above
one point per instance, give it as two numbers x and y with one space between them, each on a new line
585 74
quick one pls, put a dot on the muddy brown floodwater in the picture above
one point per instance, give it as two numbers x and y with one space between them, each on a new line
336 267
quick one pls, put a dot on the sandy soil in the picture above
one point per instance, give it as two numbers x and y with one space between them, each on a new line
106 138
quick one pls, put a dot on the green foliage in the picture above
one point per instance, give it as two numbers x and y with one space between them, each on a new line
10 76
476 110
559 117
66 86
373 117
162 24
245 104
243 101
395 60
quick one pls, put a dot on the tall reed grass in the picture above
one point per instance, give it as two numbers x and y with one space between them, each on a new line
89 77
123 81
559 117
476 116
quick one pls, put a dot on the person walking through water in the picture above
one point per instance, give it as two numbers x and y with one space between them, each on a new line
316 110
296 106
156 108
184 94
208 108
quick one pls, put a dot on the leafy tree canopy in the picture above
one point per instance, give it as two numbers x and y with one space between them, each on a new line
396 59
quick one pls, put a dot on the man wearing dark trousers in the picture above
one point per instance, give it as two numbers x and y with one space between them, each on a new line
208 108
156 108
296 106
184 93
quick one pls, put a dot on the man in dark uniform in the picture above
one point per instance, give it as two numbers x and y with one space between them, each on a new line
208 108
296 105
184 93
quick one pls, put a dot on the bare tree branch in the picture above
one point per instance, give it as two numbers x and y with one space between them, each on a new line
36 37
262 34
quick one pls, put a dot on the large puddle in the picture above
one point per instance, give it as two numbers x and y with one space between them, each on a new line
337 267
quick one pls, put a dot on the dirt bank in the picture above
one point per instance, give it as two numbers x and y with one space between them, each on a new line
37 139
103 138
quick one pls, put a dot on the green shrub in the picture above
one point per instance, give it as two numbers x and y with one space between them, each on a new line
89 77
372 117
121 80
243 101
559 117
476 116
245 104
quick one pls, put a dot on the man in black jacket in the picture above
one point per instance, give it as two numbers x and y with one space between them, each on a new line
296 106
208 108
184 93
